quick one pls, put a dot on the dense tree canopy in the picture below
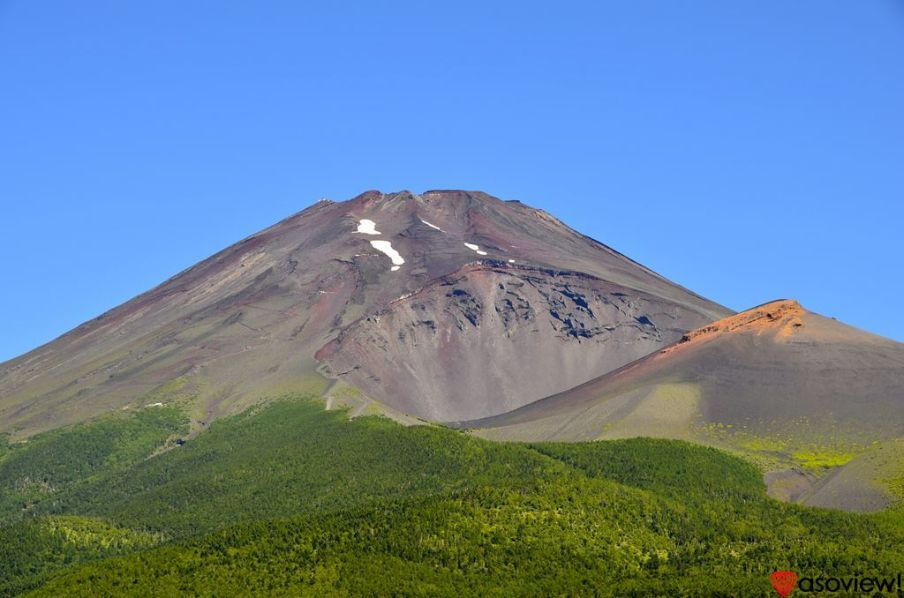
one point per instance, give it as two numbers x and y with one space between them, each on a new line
291 499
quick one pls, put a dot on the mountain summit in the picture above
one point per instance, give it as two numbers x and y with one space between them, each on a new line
448 305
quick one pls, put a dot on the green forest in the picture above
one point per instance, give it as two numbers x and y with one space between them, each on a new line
290 499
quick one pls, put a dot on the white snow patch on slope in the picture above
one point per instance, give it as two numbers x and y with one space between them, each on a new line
368 227
475 248
386 247
432 226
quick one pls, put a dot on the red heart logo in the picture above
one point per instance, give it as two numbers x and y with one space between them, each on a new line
783 582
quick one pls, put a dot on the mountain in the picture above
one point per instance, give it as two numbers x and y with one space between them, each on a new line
440 306
460 308
793 389
457 308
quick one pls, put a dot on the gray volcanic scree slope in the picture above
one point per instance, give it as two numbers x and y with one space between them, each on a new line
448 306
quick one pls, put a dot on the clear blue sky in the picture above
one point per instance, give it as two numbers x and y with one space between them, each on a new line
749 150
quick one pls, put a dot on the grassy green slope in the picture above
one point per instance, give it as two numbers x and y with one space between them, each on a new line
294 500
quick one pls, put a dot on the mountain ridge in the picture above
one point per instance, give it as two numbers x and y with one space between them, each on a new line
247 322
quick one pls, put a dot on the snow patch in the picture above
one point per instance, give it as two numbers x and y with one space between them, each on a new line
475 248
511 261
156 405
367 227
432 226
386 247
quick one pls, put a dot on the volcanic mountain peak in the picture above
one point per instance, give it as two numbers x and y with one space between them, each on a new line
472 292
